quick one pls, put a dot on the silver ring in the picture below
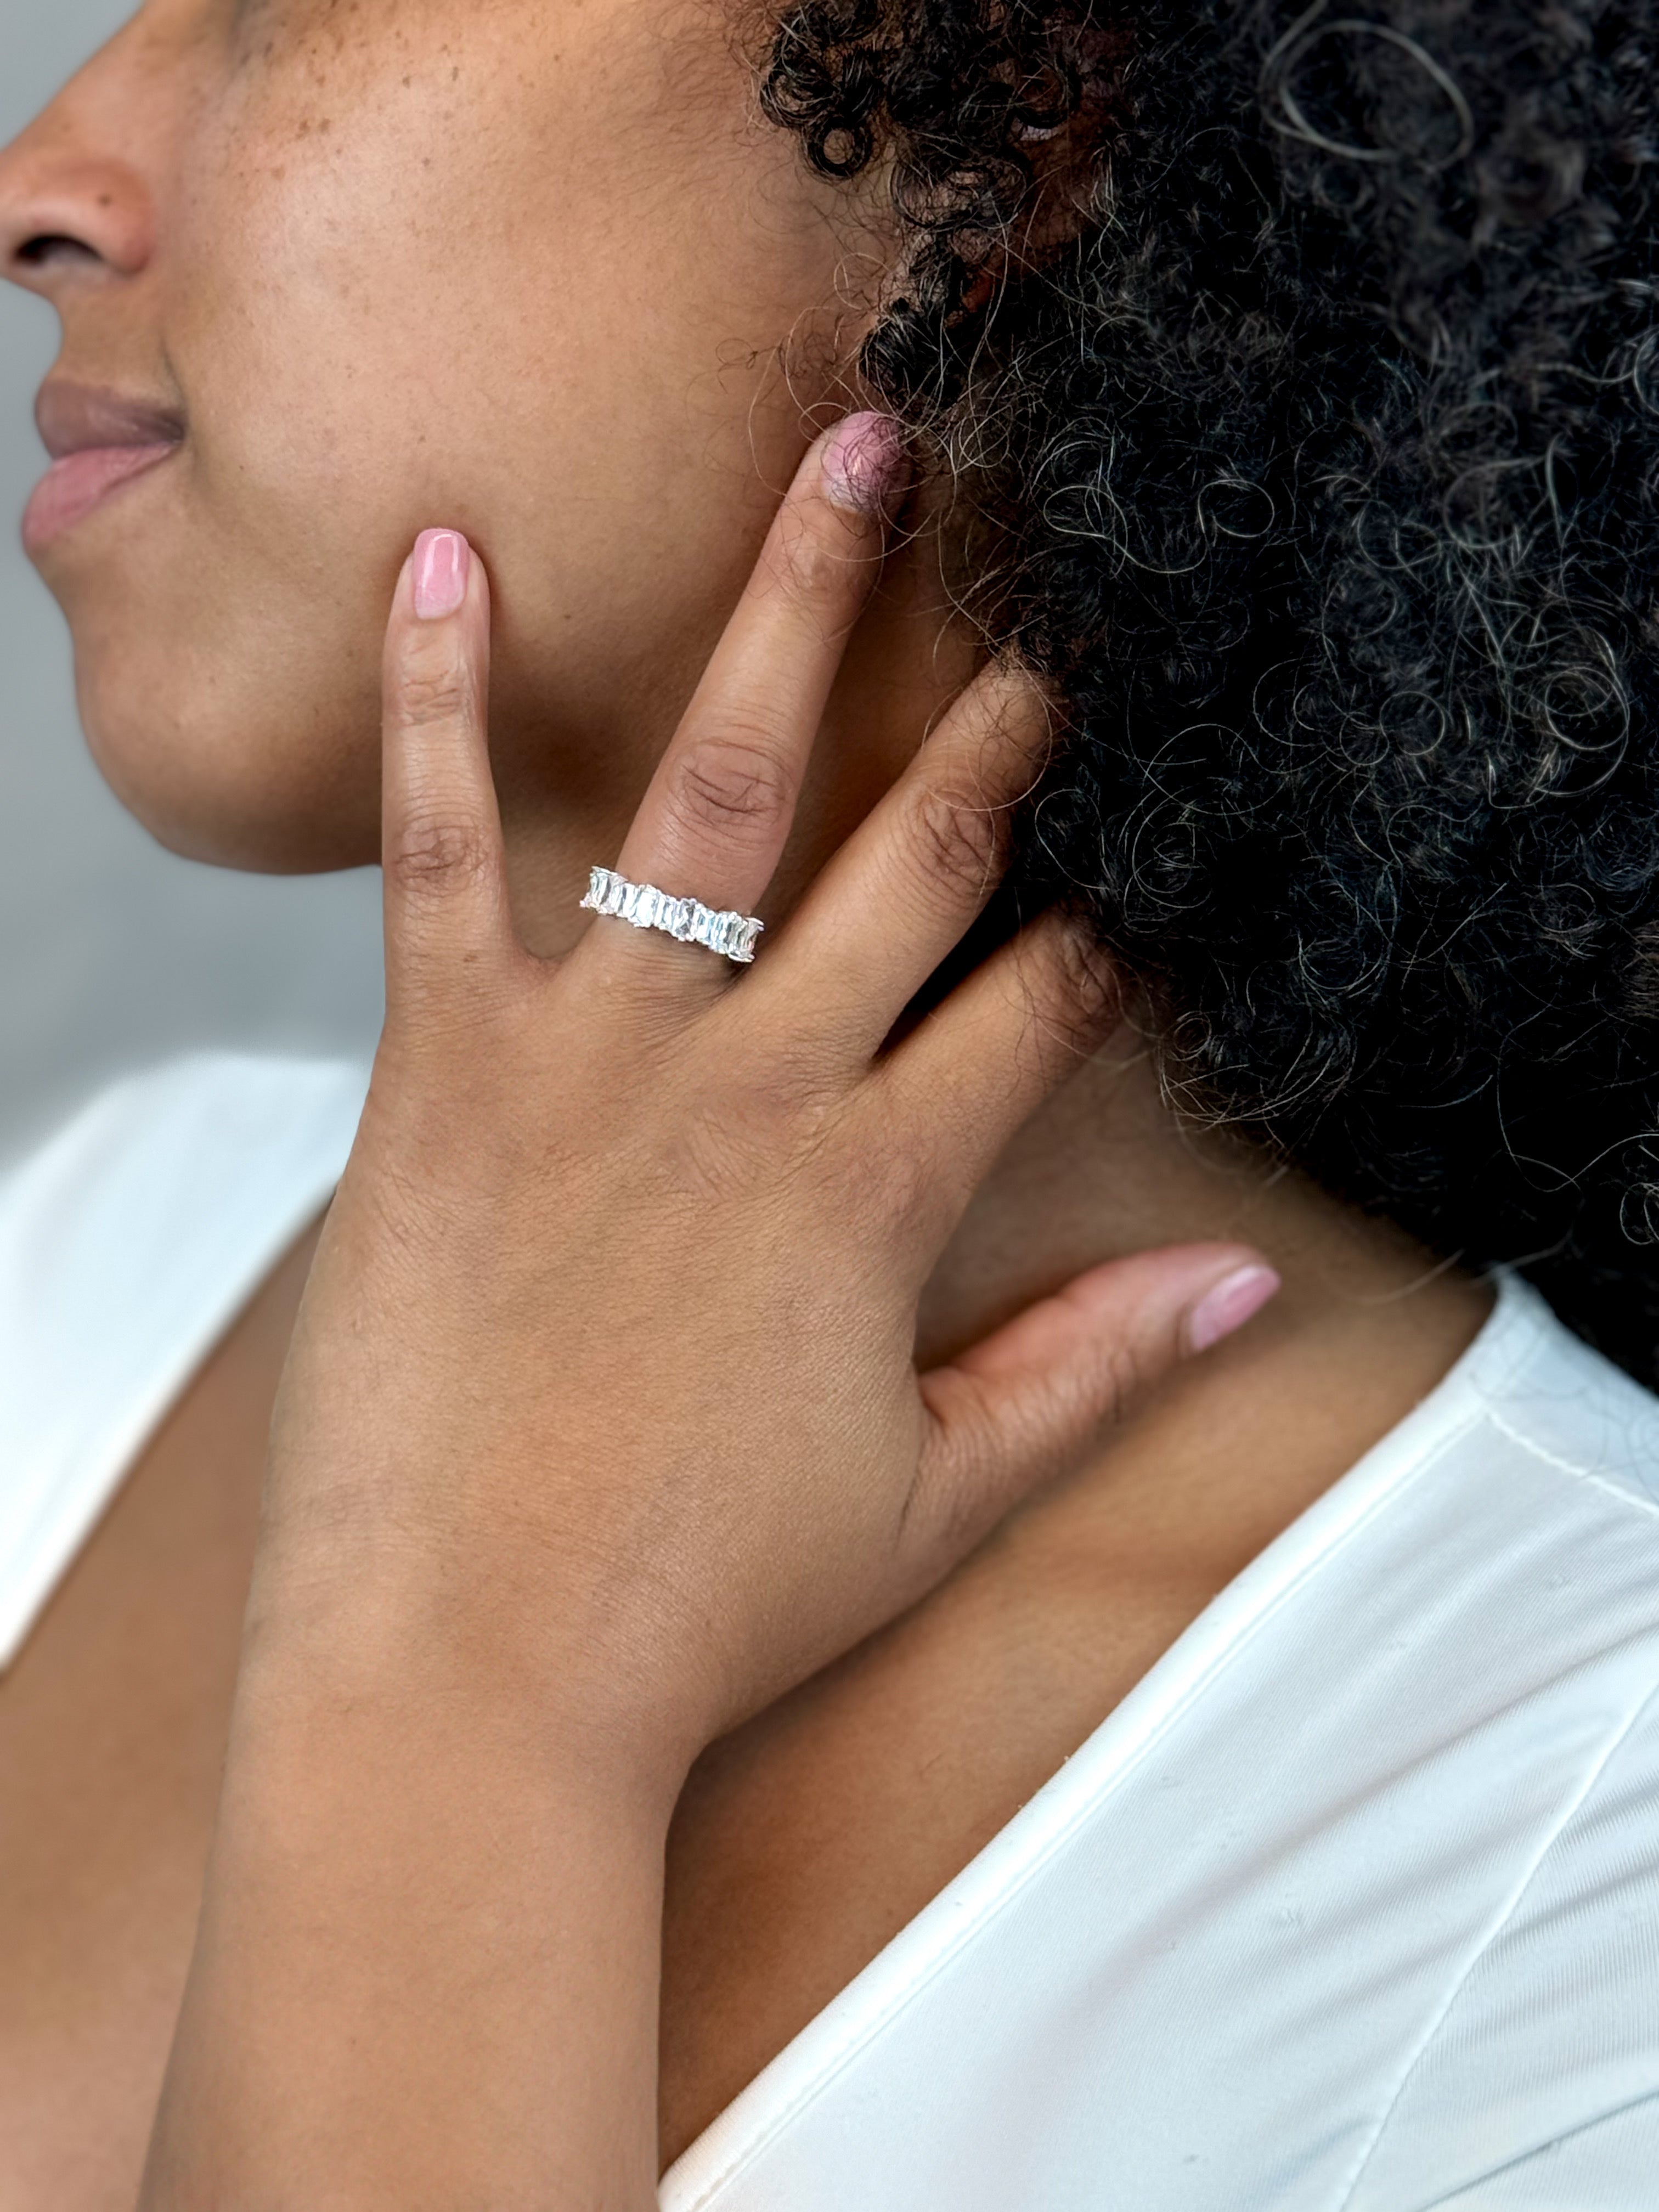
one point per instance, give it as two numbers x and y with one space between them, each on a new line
687 919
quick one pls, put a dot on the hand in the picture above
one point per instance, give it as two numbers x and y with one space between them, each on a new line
606 1361
602 1425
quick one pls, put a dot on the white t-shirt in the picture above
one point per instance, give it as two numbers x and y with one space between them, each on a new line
1350 1906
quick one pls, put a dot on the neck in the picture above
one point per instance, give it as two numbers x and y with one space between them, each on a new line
1108 1168
1366 1322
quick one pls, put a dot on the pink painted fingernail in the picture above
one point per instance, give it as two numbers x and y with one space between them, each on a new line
1229 1304
443 558
863 464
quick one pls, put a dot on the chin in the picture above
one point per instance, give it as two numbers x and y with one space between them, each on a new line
237 738
225 773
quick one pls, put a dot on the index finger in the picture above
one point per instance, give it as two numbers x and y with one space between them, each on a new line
447 910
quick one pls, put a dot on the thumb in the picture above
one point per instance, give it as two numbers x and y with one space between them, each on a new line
1026 1404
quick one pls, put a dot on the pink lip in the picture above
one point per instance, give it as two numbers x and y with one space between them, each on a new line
99 439
78 483
81 481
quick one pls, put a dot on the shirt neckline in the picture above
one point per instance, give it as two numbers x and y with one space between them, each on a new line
1514 1332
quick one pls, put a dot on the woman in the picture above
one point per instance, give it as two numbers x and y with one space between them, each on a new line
748 1427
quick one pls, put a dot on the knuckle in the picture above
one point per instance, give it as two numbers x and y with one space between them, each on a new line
1016 721
945 1510
423 693
893 1189
734 783
1087 991
1127 1374
903 1191
436 853
1067 992
959 838
811 560
1077 996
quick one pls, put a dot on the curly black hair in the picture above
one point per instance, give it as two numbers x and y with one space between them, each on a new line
1302 369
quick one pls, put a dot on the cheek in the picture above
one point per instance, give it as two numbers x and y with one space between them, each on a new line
417 302
439 291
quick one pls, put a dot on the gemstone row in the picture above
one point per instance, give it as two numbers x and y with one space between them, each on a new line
687 919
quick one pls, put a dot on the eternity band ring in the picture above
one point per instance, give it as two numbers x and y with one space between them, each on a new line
687 919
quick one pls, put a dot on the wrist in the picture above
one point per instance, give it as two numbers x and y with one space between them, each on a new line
432 1893
535 1662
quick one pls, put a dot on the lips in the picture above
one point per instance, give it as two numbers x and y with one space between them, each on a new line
99 440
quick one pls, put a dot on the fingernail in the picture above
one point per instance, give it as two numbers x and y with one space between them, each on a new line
863 464
443 558
1229 1304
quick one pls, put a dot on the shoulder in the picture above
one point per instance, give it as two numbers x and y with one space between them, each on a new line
128 1243
1544 1457
161 1189
1564 1407
204 1114
1534 2079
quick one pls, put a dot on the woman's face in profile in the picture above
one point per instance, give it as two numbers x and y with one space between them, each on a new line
527 267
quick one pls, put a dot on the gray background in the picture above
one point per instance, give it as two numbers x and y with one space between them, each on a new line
113 953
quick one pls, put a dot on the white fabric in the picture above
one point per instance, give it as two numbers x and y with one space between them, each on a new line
1351 1905
127 1246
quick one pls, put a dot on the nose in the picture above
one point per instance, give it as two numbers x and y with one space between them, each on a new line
66 221
78 207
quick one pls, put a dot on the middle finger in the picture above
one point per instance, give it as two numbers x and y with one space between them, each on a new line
712 824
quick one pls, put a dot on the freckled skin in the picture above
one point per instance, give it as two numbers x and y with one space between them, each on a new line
528 267
390 270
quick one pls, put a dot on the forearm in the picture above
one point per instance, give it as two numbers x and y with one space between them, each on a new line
427 1973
